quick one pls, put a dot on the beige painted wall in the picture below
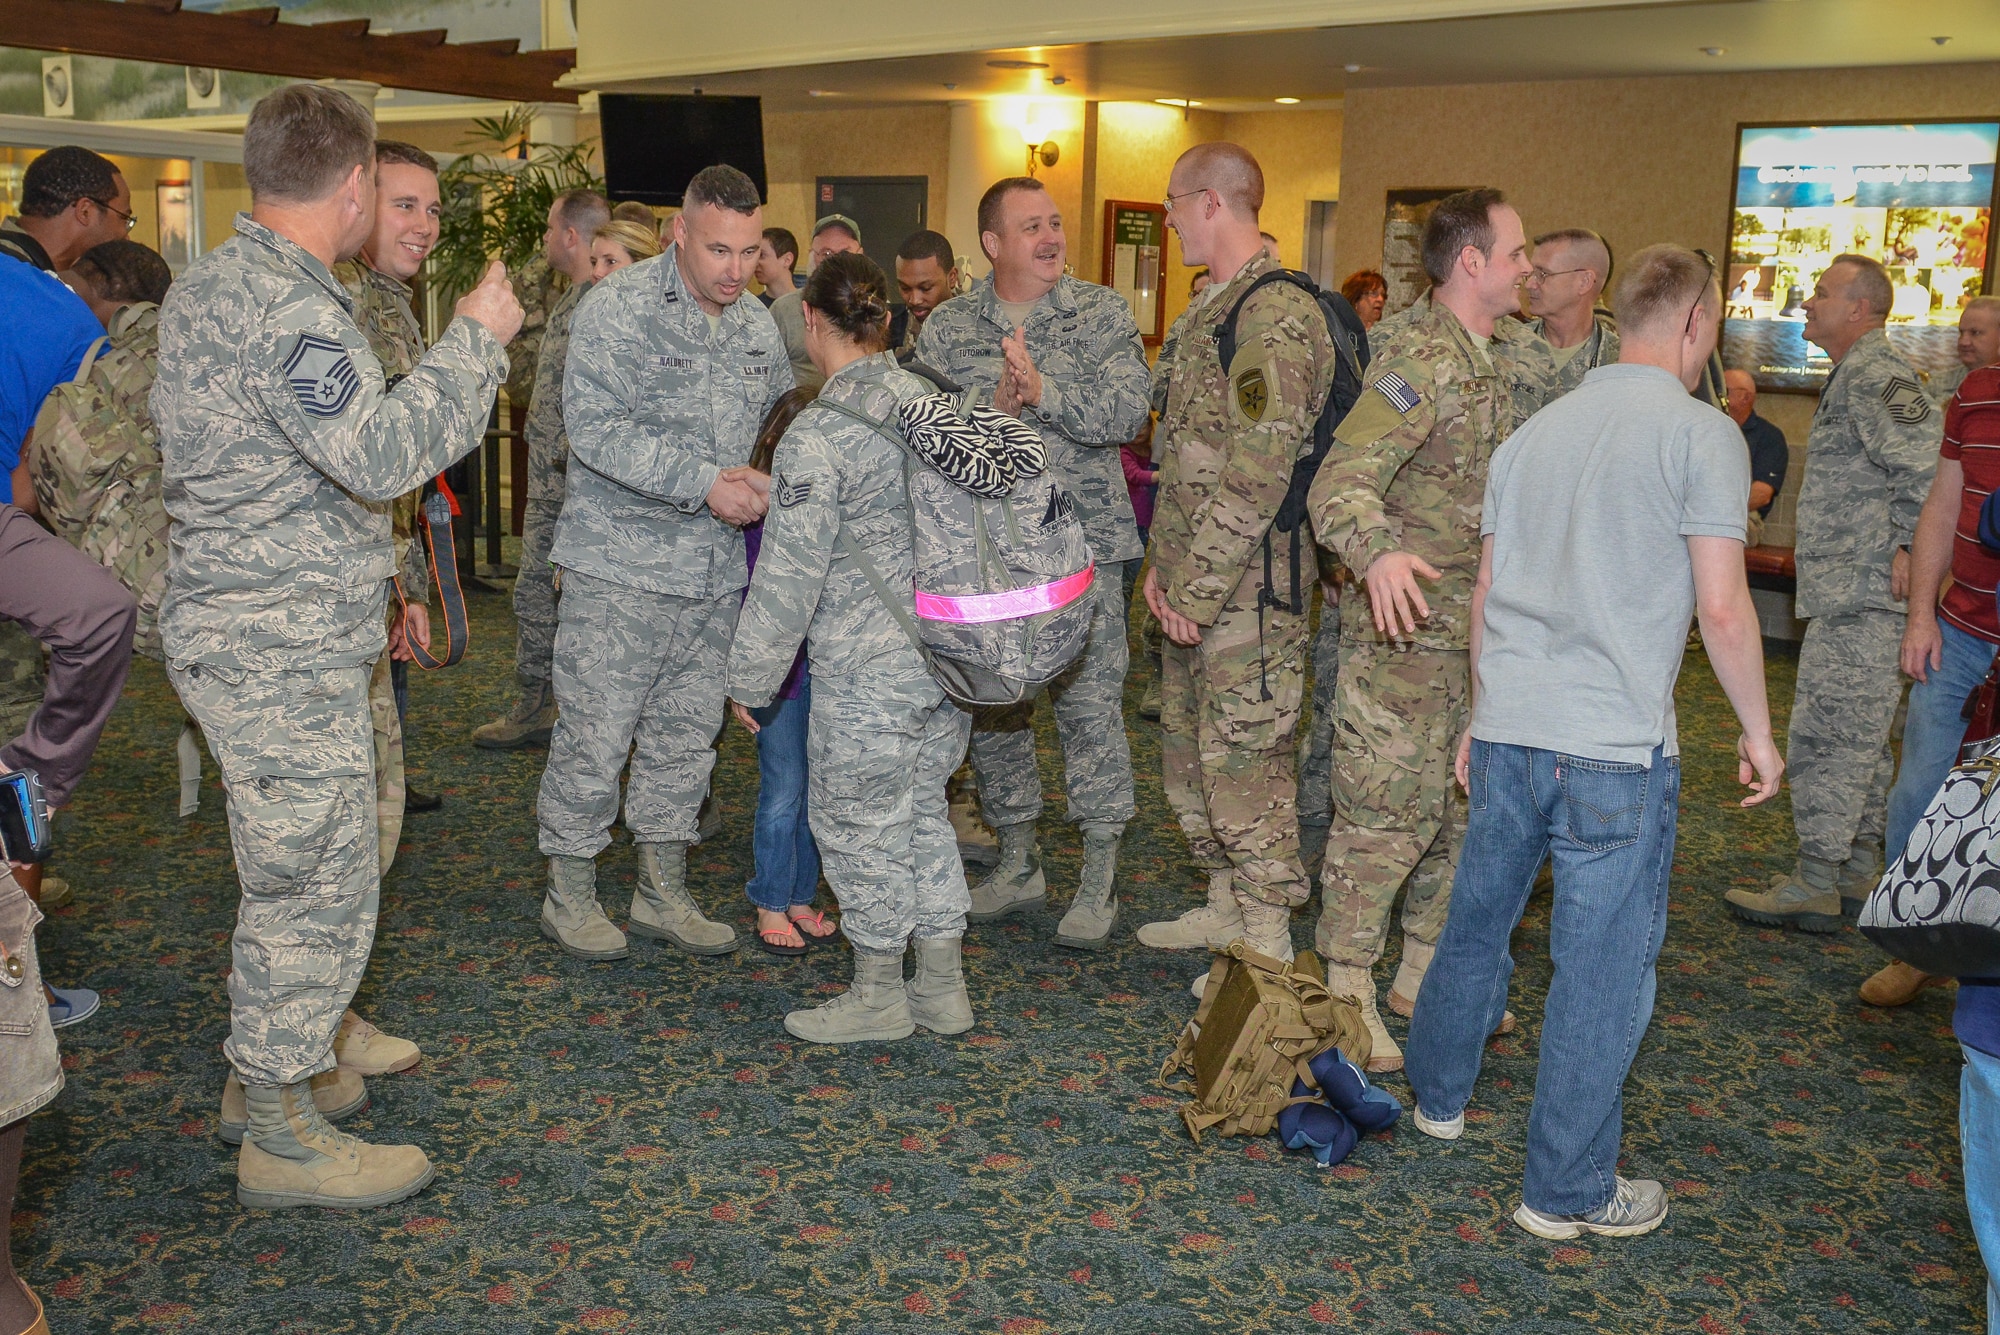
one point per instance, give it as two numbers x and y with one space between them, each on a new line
1300 154
1640 160
801 146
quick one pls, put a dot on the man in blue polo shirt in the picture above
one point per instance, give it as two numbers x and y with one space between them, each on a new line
45 331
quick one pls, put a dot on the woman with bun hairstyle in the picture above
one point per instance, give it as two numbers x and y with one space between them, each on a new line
882 738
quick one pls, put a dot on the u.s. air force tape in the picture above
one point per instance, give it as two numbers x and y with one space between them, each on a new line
1402 397
322 375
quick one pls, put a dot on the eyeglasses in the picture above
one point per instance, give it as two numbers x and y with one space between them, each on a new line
1540 275
130 220
1185 194
1702 296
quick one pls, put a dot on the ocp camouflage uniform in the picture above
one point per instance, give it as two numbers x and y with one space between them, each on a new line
1869 462
655 406
96 467
537 285
383 313
1600 348
1316 745
1229 706
882 738
1407 472
548 465
1095 389
281 450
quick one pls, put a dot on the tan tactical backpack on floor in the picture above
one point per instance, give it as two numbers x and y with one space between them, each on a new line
1260 1022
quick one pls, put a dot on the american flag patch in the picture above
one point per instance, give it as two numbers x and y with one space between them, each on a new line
1397 390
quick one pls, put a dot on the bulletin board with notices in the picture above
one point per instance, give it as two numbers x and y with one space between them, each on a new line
1135 249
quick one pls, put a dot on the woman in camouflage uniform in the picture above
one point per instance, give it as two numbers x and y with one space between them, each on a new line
882 738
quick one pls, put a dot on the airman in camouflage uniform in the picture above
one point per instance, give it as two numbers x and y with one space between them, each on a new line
1600 349
883 738
1407 472
660 399
96 465
537 286
282 449
1869 463
383 313
1226 442
1095 389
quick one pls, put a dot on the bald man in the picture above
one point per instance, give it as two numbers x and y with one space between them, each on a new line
1561 294
1770 453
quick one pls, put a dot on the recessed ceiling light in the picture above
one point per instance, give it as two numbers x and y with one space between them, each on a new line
1286 101
951 87
1353 69
1017 64
1940 41
815 92
1713 50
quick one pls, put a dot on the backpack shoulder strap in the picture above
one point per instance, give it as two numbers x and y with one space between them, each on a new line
89 360
1225 333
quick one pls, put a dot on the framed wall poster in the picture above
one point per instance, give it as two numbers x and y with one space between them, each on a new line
1916 195
1402 244
175 201
1135 250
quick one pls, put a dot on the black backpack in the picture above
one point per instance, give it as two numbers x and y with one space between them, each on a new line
1350 363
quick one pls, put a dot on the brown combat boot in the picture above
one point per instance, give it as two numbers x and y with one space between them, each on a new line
291 1157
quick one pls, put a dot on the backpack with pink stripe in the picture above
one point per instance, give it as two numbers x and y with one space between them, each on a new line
1002 601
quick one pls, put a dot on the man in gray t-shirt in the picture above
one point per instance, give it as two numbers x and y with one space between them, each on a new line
1609 517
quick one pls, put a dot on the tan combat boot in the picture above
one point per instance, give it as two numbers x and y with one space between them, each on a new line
365 1050
1899 984
1017 882
1807 898
662 909
1859 876
977 845
1267 929
1210 927
1356 982
876 1009
1410 980
936 995
338 1094
291 1157
1094 911
531 722
571 915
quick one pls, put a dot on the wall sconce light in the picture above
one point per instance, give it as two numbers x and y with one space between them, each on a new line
1040 148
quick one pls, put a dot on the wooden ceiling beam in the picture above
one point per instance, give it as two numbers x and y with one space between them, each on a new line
255 42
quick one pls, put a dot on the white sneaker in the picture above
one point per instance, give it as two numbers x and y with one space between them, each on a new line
1449 1129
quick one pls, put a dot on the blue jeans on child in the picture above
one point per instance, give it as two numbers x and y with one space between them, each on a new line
1610 829
1932 732
787 859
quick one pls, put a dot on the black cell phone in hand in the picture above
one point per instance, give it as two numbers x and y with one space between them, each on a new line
24 817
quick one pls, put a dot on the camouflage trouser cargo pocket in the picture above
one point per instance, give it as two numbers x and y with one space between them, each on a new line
30 1064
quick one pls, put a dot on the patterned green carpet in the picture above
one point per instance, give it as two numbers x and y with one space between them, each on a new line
639 1146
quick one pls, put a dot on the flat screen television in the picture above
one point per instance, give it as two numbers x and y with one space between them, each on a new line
1918 196
654 143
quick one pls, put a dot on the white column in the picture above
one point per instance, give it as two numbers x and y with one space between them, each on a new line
359 89
554 123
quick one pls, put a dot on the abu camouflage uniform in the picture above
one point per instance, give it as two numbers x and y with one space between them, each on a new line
281 447
383 314
1407 472
882 738
656 405
1599 349
96 467
1095 390
1229 706
548 464
1869 462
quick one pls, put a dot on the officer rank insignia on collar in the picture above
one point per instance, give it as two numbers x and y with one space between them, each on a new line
1906 403
790 493
322 375
1401 395
1253 393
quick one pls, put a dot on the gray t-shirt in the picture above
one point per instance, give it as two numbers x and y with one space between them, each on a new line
1590 506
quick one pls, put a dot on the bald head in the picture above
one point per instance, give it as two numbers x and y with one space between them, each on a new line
1741 389
1228 170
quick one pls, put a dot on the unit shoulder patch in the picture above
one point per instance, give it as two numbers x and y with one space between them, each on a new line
1252 392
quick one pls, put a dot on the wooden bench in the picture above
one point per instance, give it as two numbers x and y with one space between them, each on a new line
1771 568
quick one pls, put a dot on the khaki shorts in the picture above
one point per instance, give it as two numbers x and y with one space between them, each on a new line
30 1066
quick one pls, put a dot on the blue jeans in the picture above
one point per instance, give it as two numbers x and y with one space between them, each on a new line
1979 1140
1610 829
787 866
1932 732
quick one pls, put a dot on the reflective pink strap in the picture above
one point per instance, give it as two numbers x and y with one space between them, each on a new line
1010 606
